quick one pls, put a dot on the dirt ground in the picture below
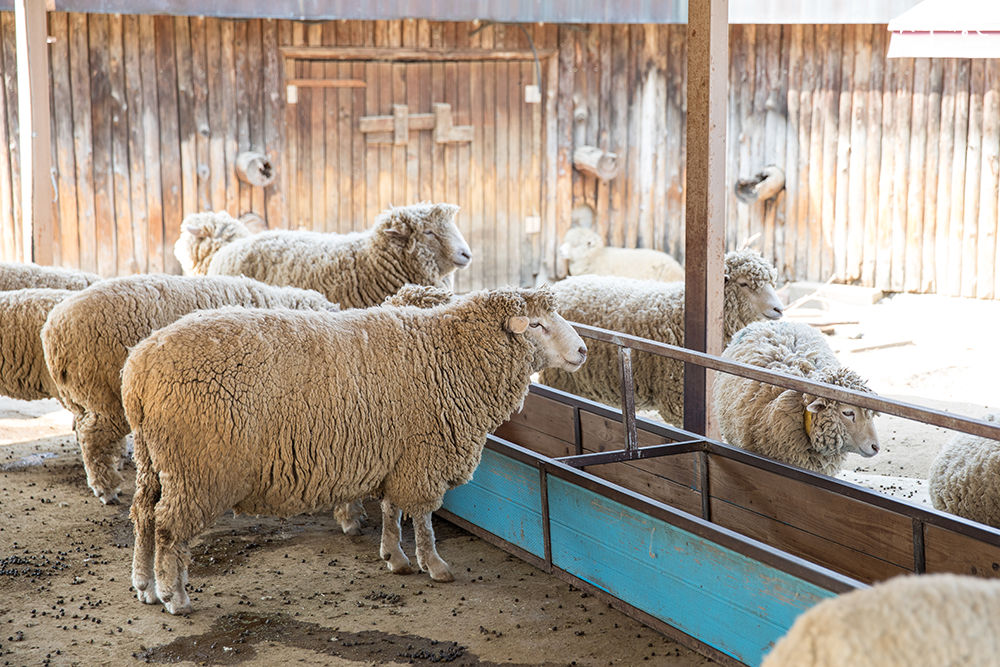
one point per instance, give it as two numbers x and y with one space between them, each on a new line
297 591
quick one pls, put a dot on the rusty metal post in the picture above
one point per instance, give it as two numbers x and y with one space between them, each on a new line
705 214
628 400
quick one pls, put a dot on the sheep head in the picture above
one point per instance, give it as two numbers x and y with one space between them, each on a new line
749 290
578 243
839 428
429 233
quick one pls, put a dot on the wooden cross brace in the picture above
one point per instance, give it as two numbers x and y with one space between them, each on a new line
395 129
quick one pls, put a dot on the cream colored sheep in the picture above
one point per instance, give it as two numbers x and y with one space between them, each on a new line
280 412
408 244
17 275
965 477
784 424
23 373
585 250
202 235
89 334
654 310
927 620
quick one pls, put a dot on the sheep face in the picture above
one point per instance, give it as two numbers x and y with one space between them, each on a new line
838 427
556 342
578 242
429 232
749 288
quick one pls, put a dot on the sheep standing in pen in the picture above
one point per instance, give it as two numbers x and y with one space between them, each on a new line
280 413
585 250
654 310
965 477
408 244
202 235
89 334
784 424
23 373
15 275
927 620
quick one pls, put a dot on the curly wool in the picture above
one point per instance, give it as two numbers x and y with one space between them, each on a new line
204 234
23 373
927 620
653 310
15 275
89 334
587 254
407 244
769 420
965 477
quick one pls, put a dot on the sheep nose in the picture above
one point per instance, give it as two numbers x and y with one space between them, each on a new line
583 351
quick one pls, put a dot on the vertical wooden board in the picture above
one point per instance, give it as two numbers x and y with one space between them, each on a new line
932 163
817 147
515 215
136 143
255 91
8 244
631 170
776 129
437 95
127 263
287 35
587 90
216 119
102 112
531 171
873 158
230 128
359 153
503 220
242 99
504 498
487 237
946 158
844 148
859 96
802 231
65 164
746 131
986 263
735 138
619 133
372 164
274 129
412 148
886 184
603 110
398 89
647 108
958 177
549 241
687 581
199 89
659 201
452 84
973 176
948 551
13 130
474 275
424 104
916 184
185 111
170 141
674 131
793 149
758 134
833 37
151 145
302 194
331 140
343 110
385 151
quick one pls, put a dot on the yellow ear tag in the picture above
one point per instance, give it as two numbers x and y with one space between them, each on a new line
807 419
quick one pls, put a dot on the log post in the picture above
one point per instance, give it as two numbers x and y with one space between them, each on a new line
255 169
593 161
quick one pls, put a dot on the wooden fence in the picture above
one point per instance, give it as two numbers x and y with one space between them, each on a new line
891 166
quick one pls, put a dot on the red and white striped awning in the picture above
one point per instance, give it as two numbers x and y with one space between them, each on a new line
947 29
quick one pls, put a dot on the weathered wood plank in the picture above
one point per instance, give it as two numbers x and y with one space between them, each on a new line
216 119
986 263
65 163
959 178
515 194
883 238
776 137
819 100
413 83
873 150
274 129
202 131
973 176
10 195
917 172
948 551
231 126
151 146
255 104
549 34
831 45
124 238
136 142
383 38
170 140
619 132
102 114
793 160
503 218
359 154
946 157
343 106
632 169
398 89
474 276
187 128
599 434
674 130
932 166
390 54
489 232
331 139
844 153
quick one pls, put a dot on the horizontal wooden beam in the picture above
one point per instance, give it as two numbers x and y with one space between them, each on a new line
397 55
418 121
328 83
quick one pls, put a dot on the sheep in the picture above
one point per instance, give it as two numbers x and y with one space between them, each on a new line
963 477
23 373
202 235
654 310
784 424
408 244
585 250
281 412
15 276
88 336
926 620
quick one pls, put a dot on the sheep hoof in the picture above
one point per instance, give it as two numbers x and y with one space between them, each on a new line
109 498
146 594
178 604
352 527
443 577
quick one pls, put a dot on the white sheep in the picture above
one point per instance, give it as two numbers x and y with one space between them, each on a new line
280 412
408 244
926 620
202 235
654 310
784 424
965 477
585 250
88 336
17 275
23 373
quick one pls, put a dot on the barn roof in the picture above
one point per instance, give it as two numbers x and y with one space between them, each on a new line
947 29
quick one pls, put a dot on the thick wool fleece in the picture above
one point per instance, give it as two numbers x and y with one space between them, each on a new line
965 477
587 254
202 236
408 244
653 310
14 276
89 334
23 373
770 420
928 620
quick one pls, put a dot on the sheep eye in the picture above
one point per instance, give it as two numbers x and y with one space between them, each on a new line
535 325
744 284
429 233
849 414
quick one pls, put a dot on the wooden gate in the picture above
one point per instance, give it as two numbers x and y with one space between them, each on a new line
369 128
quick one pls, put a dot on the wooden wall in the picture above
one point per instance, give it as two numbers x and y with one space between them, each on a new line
891 166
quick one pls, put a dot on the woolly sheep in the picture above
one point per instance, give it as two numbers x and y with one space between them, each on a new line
15 275
965 477
654 310
88 336
280 412
408 244
23 373
926 620
587 254
202 235
791 426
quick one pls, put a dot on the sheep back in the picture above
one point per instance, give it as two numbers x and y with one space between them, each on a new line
23 373
965 477
16 275
202 235
587 254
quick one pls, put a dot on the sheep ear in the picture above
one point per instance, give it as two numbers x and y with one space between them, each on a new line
726 278
817 405
517 324
399 227
194 230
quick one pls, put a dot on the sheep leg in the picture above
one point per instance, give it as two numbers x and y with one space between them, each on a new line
102 445
427 555
177 520
147 493
389 549
351 517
